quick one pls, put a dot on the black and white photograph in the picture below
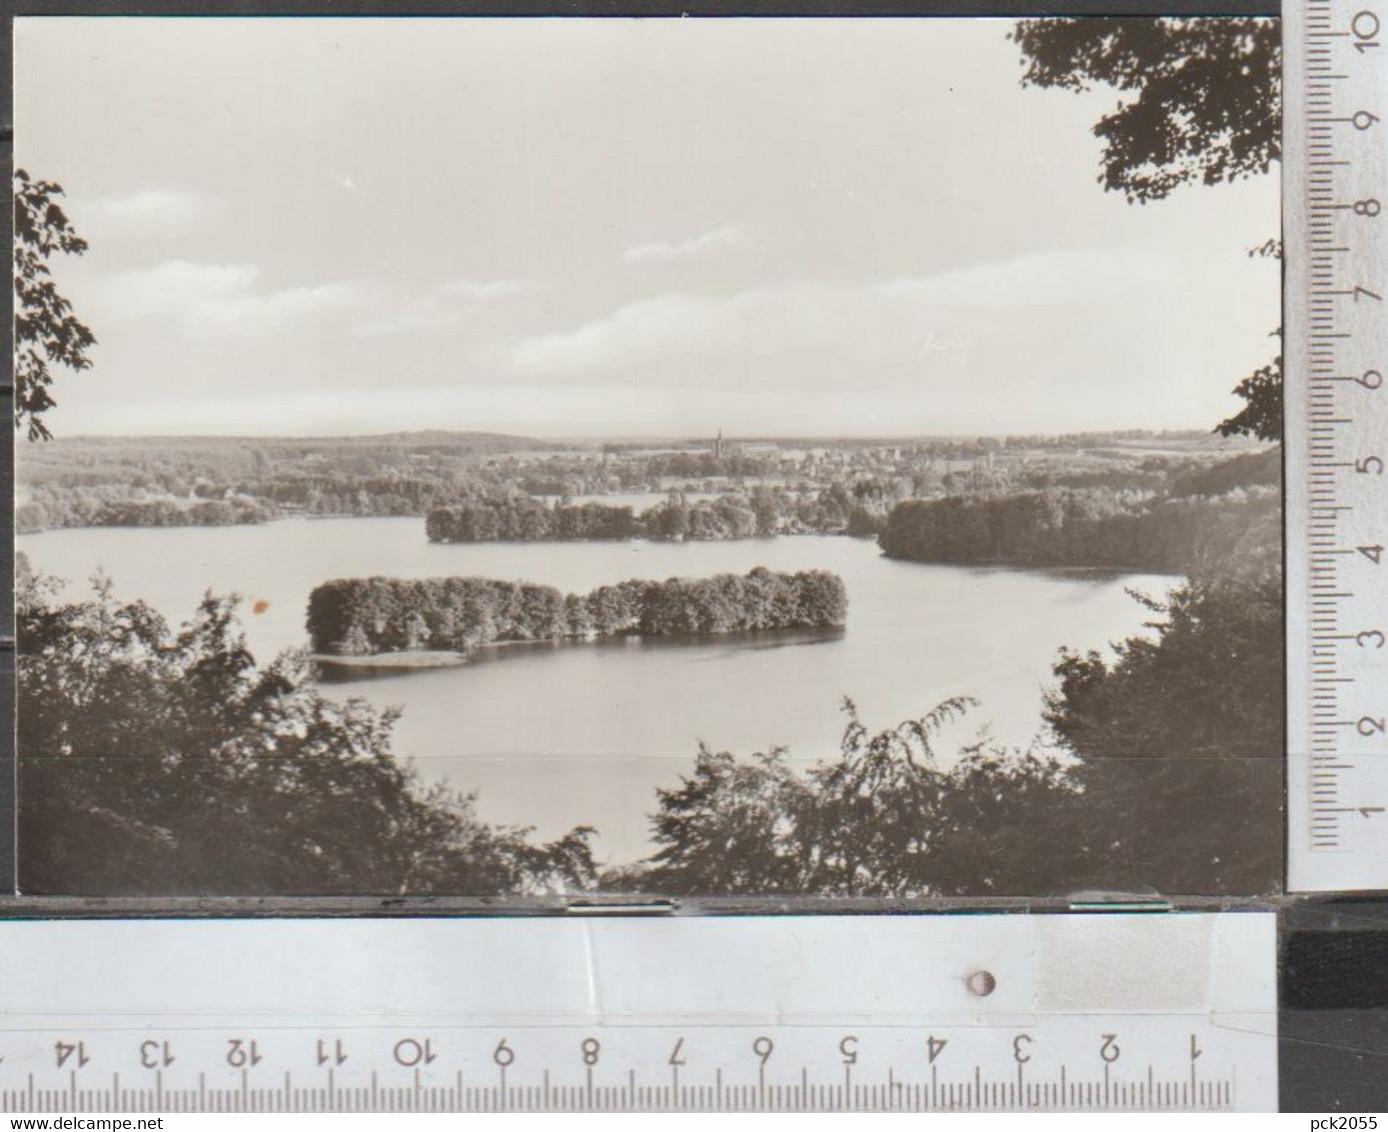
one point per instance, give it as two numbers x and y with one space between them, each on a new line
773 457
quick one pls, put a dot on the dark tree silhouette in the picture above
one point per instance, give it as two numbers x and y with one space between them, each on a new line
1088 526
1261 416
1200 98
46 331
1180 738
1199 103
883 818
157 762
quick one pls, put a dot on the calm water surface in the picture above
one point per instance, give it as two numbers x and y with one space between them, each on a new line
556 736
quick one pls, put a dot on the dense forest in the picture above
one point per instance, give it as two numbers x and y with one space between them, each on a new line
124 482
158 761
521 518
524 518
70 507
1202 518
358 617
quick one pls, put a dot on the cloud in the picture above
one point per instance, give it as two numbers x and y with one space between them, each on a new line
846 321
151 211
448 304
1090 334
1037 280
699 247
217 300
792 334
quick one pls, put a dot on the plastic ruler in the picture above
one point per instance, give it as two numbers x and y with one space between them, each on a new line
1336 355
980 1012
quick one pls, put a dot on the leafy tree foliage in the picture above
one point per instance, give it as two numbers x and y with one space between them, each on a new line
155 761
1200 103
46 331
1248 471
881 819
358 616
518 517
1200 97
1261 416
89 509
515 517
1086 527
1181 739
724 518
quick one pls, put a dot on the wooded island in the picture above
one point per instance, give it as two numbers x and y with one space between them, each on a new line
366 616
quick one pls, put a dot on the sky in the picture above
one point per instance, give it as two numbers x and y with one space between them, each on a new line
587 228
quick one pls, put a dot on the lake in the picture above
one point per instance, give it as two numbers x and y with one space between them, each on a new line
557 736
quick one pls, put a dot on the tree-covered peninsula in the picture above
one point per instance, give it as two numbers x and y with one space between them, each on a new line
1062 527
520 518
365 616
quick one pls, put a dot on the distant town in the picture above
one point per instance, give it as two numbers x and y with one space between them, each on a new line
174 481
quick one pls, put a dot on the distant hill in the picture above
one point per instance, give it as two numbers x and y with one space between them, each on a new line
476 443
1251 469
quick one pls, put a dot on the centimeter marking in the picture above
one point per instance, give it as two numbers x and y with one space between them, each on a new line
1335 197
973 1093
796 1013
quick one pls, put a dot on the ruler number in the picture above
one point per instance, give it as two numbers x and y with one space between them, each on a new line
1367 207
1365 27
156 1054
1369 637
335 1053
1370 725
591 1048
241 1053
410 1052
1369 464
1372 379
503 1055
763 1048
676 1057
1110 1050
64 1050
934 1046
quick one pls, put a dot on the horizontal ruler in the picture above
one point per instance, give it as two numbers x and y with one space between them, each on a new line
981 1012
1336 230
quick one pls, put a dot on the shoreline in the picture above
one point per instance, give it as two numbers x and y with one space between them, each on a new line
412 660
406 660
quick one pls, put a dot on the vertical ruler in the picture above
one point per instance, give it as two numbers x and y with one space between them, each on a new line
1170 1012
1335 208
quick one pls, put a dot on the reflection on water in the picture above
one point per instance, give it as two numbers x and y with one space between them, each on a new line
332 671
559 734
775 638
